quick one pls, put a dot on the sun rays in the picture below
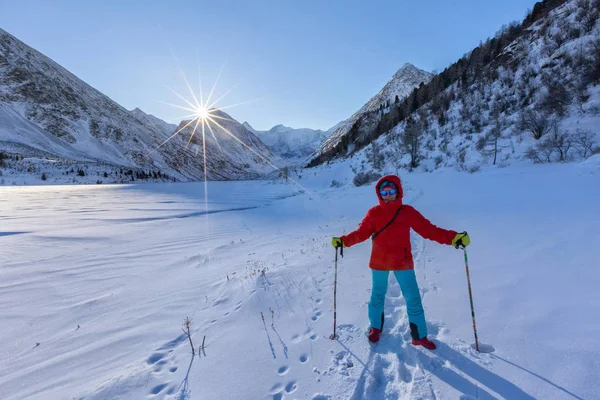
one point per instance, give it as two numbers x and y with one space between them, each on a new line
205 117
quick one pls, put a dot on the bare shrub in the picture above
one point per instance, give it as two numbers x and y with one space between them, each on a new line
553 148
561 142
363 178
584 142
538 123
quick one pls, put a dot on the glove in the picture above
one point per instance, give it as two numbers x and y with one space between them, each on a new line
337 242
462 239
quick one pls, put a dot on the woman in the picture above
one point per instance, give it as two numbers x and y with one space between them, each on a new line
389 224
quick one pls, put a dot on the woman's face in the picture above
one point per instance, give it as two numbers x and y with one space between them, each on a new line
389 194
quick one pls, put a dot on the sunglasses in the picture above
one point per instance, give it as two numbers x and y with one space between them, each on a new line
391 192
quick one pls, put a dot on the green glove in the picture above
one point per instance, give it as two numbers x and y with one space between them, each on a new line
462 239
337 242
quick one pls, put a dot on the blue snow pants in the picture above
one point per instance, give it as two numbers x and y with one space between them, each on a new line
410 291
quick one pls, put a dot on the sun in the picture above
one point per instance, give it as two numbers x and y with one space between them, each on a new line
206 118
202 112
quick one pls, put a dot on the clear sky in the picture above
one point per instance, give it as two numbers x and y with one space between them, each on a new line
309 63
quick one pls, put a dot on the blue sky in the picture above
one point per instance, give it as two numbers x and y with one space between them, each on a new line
297 63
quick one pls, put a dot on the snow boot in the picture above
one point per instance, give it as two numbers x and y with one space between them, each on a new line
374 335
428 344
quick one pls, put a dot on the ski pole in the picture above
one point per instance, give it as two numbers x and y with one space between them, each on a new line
333 336
471 299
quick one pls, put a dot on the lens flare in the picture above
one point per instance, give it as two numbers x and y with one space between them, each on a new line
204 114
201 113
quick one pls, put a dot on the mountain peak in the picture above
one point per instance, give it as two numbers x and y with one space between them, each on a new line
280 128
292 143
249 127
410 70
400 86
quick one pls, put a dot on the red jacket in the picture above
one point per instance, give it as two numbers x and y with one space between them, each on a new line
391 248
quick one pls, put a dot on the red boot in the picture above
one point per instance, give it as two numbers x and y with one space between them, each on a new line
428 344
374 335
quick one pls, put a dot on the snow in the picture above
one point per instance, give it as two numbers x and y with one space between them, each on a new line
469 116
102 278
45 108
292 145
401 84
14 128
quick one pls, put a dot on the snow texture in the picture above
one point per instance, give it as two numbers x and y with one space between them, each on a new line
97 280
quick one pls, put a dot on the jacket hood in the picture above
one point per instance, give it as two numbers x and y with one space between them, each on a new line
394 179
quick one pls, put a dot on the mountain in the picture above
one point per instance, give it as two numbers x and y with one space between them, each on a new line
531 93
47 112
233 152
155 122
290 143
400 85
250 128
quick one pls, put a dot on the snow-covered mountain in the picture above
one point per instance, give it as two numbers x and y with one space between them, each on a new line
290 143
151 120
400 86
232 151
47 112
529 93
249 127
